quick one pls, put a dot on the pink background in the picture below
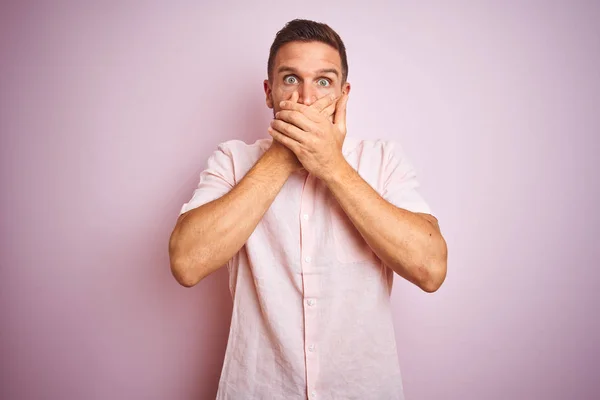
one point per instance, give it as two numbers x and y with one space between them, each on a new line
109 111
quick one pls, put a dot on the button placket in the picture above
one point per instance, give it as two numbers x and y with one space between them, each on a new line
311 284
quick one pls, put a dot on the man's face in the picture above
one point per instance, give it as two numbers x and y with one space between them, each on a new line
313 69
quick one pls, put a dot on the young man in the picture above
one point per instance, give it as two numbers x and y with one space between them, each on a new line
312 225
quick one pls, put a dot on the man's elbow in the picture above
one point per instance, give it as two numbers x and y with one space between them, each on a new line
182 268
434 274
432 283
185 275
185 279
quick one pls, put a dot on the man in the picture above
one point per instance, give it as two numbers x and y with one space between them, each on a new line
312 225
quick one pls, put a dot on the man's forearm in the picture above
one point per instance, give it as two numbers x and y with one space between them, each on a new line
206 237
409 243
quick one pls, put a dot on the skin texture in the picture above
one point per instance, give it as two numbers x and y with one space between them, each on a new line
309 99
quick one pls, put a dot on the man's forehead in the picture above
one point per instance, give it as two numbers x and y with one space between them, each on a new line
307 58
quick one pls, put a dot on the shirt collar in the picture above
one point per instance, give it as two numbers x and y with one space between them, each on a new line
349 145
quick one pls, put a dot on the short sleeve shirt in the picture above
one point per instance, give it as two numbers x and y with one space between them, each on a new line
311 301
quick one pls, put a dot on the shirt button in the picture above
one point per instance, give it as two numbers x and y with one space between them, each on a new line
305 217
308 259
311 302
311 348
313 394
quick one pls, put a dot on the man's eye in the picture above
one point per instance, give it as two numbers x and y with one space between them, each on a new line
290 80
323 82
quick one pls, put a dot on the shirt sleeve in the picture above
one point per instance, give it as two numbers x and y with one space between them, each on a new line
215 181
400 186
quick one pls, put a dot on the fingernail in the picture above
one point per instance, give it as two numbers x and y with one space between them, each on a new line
277 115
282 104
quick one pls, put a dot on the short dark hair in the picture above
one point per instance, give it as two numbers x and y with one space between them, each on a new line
303 30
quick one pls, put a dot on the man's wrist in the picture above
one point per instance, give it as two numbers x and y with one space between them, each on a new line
340 173
277 159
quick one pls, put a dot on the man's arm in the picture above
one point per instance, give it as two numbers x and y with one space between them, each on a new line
205 238
409 243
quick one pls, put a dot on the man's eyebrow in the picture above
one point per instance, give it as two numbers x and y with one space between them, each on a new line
328 71
285 68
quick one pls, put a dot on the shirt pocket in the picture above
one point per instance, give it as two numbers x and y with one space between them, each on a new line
349 245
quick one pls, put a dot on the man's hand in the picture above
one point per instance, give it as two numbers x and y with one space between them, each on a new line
311 135
324 106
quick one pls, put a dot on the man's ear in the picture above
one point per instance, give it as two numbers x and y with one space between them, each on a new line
346 88
268 93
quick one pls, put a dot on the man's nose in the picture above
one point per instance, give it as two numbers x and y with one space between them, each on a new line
307 94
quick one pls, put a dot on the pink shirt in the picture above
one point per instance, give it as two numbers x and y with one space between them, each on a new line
311 301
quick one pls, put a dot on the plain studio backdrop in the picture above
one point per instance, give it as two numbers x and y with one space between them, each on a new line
110 110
